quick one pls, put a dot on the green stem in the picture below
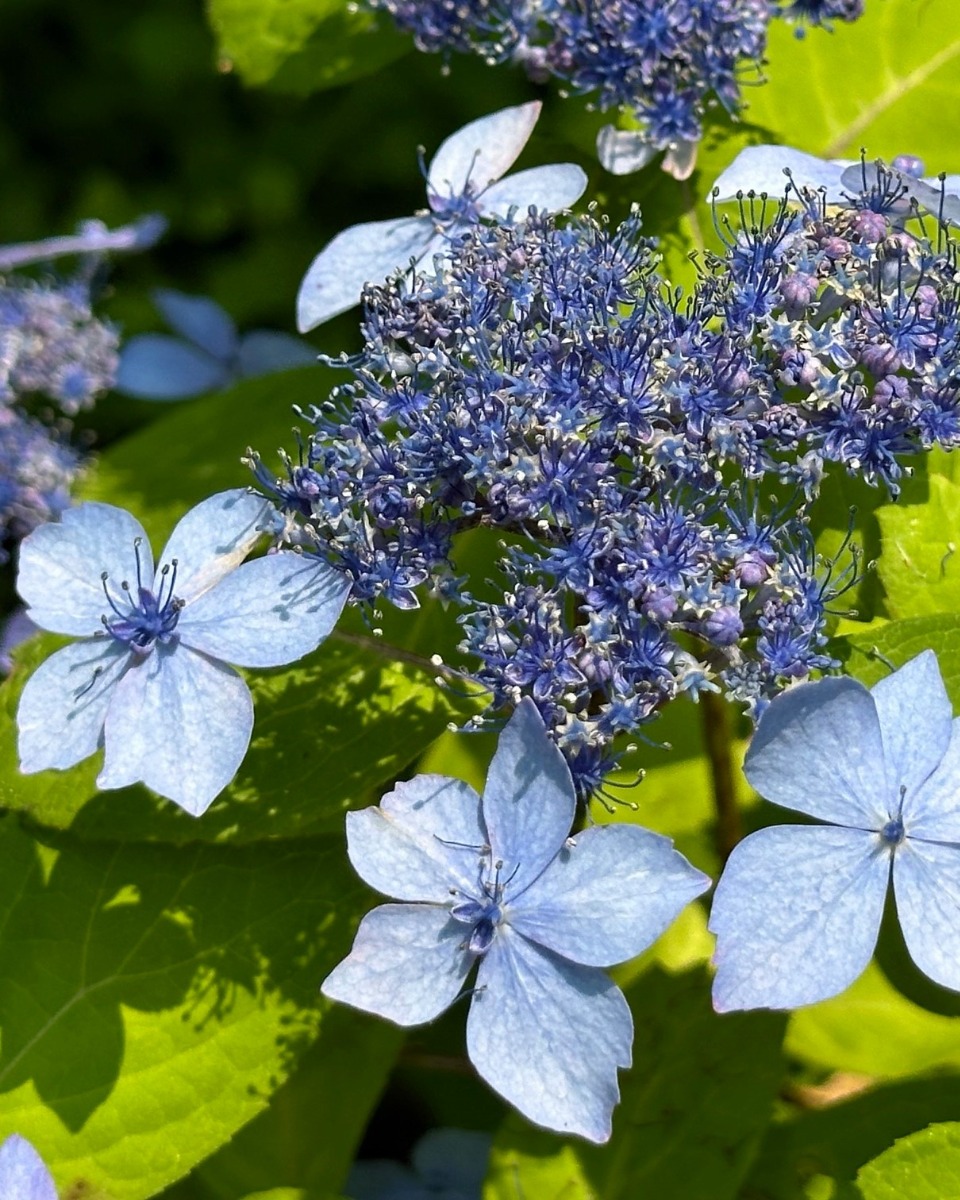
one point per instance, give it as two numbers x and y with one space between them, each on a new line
716 738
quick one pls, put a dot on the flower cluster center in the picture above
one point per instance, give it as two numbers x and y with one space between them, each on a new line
141 618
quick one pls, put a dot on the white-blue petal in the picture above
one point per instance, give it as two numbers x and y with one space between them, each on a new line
64 704
933 812
23 1174
180 724
425 838
212 539
548 188
549 1035
362 254
942 202
529 799
407 964
915 723
796 913
200 320
61 564
154 366
818 749
761 169
480 152
607 896
926 883
266 613
623 151
263 351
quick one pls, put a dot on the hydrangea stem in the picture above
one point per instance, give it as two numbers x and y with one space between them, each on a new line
716 738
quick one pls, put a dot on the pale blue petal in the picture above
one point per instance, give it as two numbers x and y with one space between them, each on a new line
362 254
180 724
915 723
480 152
212 539
609 894
200 320
23 1175
61 564
623 151
407 964
818 749
933 812
796 913
926 883
154 366
549 1035
547 188
680 159
761 169
928 194
64 704
268 612
425 838
529 800
263 351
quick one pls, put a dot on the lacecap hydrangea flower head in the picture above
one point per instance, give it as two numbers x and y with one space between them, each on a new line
797 910
148 680
499 883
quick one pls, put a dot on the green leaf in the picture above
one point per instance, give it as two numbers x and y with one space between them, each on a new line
923 1166
693 1107
351 1060
153 998
832 1143
920 567
872 1029
872 83
863 654
301 46
330 733
195 450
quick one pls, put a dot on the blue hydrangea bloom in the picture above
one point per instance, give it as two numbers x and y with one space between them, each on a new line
209 354
463 183
92 237
798 907
147 680
498 883
23 1175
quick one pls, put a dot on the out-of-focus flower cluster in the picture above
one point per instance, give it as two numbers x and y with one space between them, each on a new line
628 444
663 60
56 356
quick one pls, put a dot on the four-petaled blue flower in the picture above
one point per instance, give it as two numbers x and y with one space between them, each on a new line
797 910
148 681
209 354
23 1175
499 882
463 184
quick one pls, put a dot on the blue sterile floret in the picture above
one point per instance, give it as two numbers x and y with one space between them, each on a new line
663 61
464 182
544 381
798 908
499 884
147 680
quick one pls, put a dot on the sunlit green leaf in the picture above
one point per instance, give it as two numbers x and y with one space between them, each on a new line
153 998
923 1166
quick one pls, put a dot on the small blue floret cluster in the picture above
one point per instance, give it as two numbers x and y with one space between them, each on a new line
664 61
